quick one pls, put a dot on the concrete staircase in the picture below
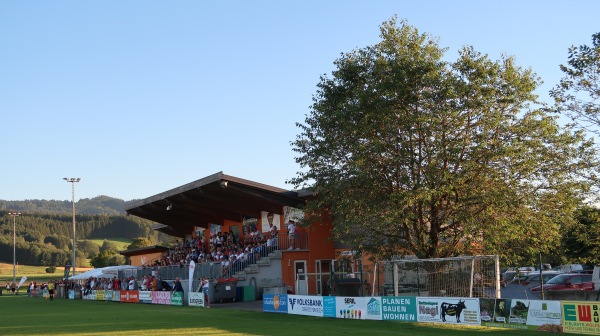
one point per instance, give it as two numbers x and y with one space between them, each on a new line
274 256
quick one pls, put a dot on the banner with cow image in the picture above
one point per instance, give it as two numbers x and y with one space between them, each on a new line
448 310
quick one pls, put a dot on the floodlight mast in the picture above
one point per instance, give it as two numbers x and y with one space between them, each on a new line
72 180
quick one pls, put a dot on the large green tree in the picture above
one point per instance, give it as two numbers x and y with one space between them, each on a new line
413 154
578 93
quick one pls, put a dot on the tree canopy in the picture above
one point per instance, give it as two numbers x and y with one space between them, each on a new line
578 93
412 154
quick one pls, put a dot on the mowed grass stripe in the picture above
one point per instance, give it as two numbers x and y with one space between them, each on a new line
20 315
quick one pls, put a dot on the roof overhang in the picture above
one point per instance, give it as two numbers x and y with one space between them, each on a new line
144 250
211 200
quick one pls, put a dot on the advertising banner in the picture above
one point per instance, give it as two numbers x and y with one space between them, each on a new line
401 308
71 294
305 305
177 299
23 279
161 297
275 303
191 275
580 317
116 296
329 307
91 295
145 296
130 296
351 307
108 295
520 314
195 299
448 310
100 295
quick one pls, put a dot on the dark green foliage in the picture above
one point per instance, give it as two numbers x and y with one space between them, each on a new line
51 269
89 248
139 243
107 258
44 231
108 247
59 242
412 153
100 205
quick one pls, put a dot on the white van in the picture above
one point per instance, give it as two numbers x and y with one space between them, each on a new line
596 277
569 268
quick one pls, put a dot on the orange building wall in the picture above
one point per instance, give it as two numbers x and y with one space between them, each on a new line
319 247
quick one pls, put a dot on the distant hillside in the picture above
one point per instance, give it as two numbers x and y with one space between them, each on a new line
100 205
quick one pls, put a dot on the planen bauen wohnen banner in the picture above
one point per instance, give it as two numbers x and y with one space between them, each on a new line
402 308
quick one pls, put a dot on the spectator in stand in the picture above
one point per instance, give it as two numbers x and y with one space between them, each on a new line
159 283
144 283
154 284
130 283
177 287
116 285
292 234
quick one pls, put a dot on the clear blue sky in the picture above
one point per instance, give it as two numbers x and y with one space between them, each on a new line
138 97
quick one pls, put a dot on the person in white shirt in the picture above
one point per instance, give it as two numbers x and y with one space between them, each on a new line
292 234
205 289
144 283
131 284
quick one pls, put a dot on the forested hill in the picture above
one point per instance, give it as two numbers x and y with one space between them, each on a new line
100 205
44 229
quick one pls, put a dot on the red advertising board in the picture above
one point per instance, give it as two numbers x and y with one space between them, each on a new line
130 296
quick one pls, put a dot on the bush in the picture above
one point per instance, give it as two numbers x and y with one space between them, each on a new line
51 269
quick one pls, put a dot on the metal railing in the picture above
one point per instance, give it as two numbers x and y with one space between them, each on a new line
215 270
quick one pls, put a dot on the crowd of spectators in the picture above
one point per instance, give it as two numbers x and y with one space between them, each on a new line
150 282
233 253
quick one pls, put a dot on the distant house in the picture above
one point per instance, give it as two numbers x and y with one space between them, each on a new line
144 255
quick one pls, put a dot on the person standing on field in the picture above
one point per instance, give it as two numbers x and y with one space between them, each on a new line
51 286
205 290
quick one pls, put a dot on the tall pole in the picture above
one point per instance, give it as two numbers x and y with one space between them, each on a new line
14 216
72 180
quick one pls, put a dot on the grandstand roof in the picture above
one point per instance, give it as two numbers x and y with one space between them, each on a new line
211 200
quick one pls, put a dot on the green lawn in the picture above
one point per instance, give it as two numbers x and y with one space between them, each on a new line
33 273
120 243
22 315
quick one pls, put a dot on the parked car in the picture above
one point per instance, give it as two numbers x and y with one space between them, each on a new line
512 272
569 281
533 279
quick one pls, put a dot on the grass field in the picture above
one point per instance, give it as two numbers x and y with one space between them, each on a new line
35 273
21 315
120 243
38 273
